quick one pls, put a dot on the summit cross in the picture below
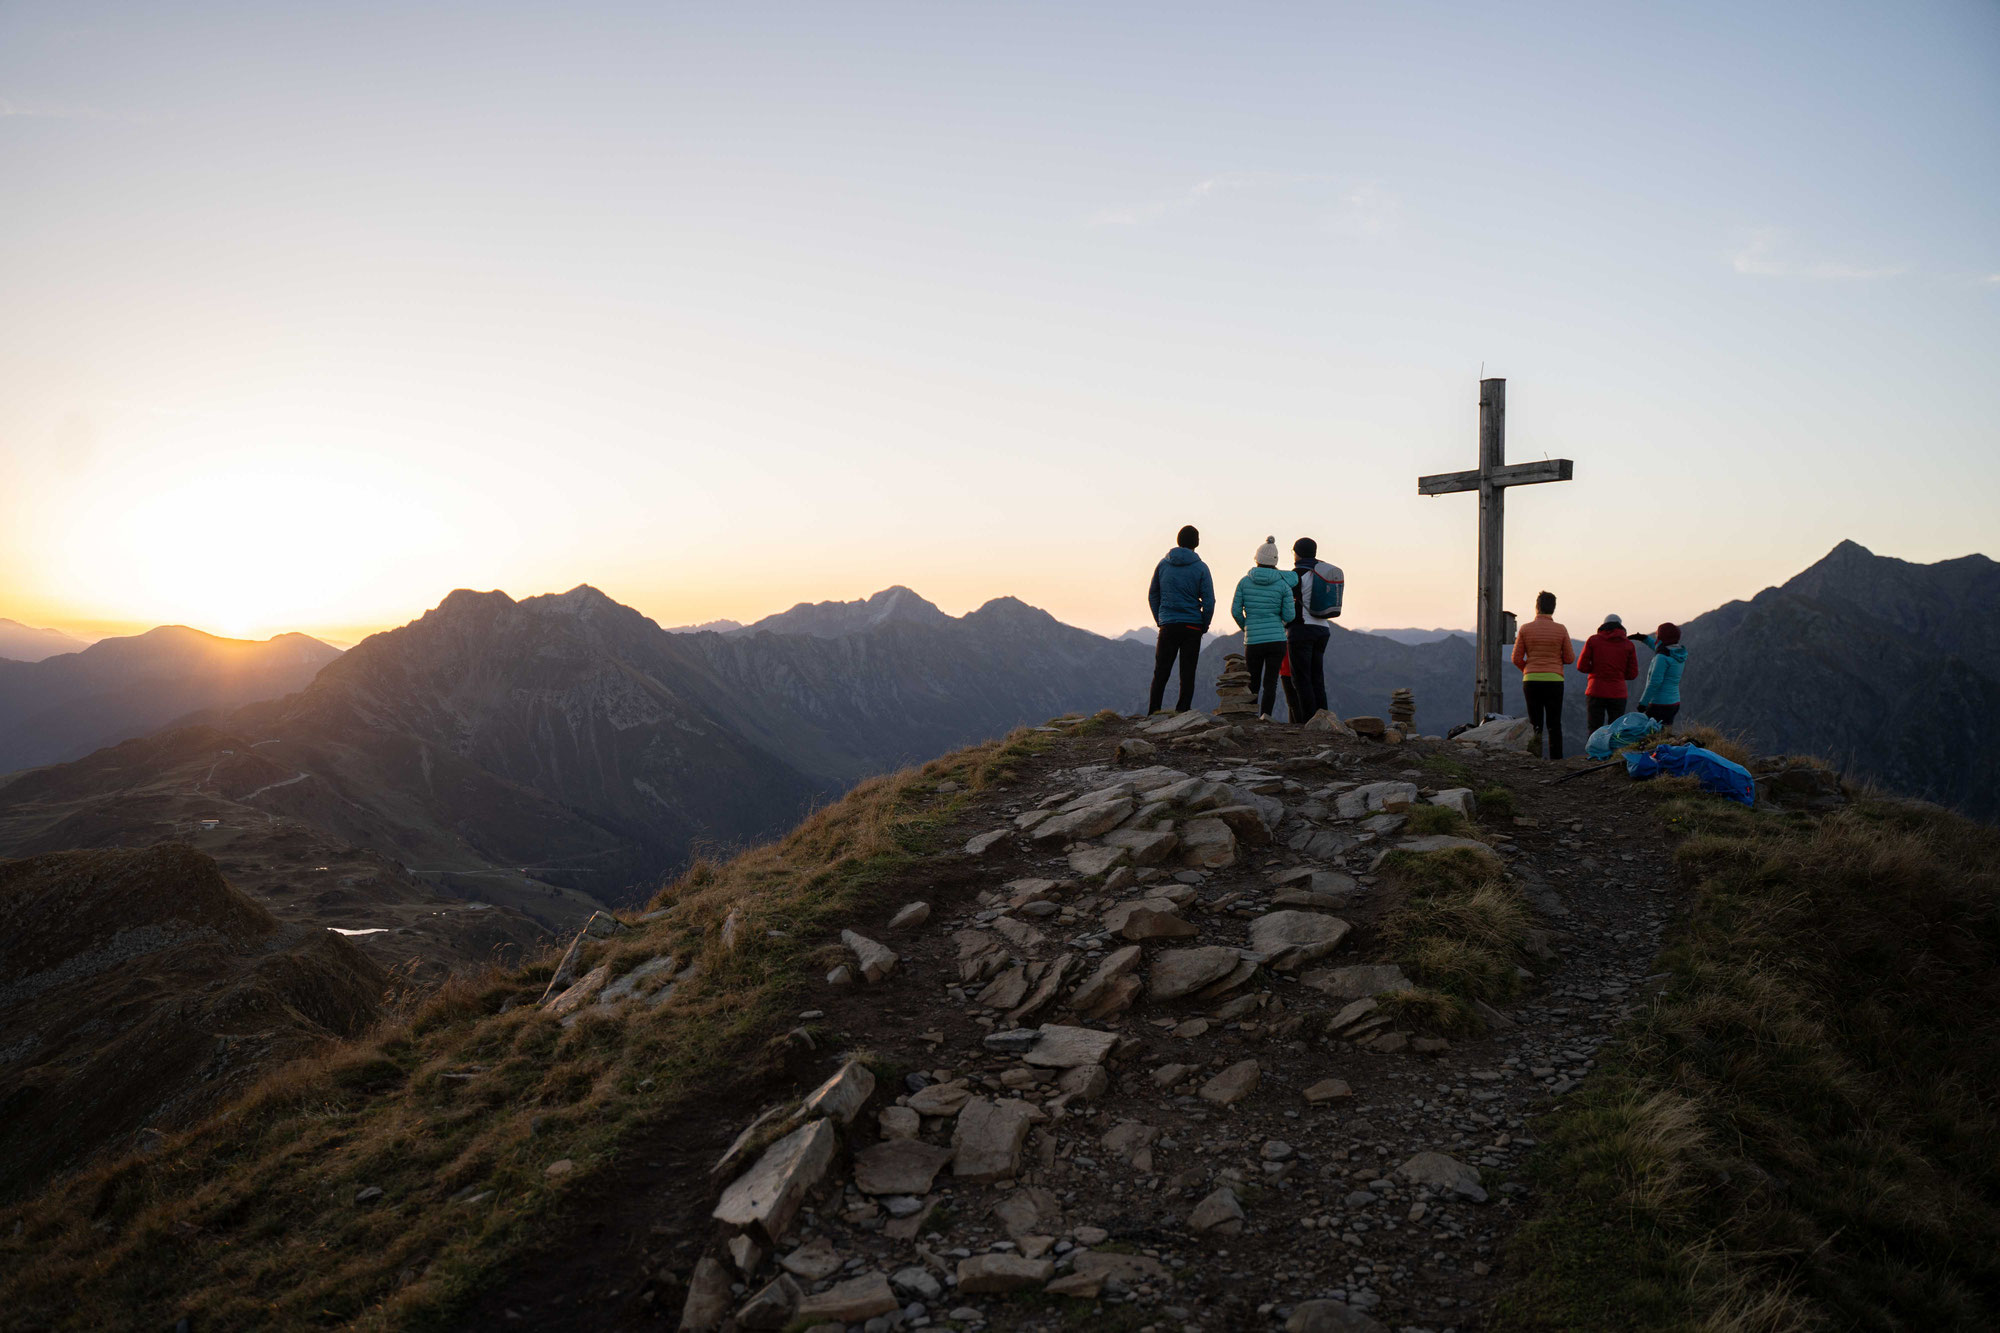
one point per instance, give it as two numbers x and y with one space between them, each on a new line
1491 479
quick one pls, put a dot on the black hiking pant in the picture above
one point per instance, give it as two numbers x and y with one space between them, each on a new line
1545 711
1291 698
1177 642
1264 659
1663 714
1308 647
1606 710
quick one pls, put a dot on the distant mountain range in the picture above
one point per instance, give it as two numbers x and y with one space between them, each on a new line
546 753
67 705
25 643
1415 636
569 741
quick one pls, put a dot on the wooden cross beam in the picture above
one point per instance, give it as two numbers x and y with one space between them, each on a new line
1491 479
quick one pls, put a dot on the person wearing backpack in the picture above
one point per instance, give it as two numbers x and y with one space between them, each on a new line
1183 602
1661 699
1266 601
1318 594
1610 660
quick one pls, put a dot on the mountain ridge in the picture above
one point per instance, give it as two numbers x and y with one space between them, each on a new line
65 706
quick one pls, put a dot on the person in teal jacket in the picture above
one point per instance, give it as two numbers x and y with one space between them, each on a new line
1264 604
1662 698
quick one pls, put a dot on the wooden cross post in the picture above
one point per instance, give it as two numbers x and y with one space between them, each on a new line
1491 480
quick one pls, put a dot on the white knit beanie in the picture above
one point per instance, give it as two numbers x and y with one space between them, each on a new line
1267 554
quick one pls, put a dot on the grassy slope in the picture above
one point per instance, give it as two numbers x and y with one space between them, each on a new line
251 1220
1802 1133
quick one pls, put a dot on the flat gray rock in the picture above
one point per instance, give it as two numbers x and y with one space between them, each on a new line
1067 1047
1359 981
768 1195
842 1096
1220 1212
989 1137
876 960
1444 1173
1441 842
899 1166
1178 972
1330 1317
1290 939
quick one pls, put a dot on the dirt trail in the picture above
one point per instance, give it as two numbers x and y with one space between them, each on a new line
1127 1169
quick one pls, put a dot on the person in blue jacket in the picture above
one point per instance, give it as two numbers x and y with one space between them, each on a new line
1662 698
1183 601
1264 604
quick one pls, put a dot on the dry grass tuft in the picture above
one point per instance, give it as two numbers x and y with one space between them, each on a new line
1425 819
1432 1012
1496 804
1458 926
1733 748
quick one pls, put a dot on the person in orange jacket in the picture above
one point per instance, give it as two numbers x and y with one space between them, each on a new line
1542 648
1610 660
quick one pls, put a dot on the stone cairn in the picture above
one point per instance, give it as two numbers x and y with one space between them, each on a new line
1233 689
1402 710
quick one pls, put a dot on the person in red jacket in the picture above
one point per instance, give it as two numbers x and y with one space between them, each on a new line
1609 659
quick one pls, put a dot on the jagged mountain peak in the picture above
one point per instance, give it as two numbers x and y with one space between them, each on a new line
832 620
461 602
1012 610
579 599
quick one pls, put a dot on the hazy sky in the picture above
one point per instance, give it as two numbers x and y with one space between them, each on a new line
312 313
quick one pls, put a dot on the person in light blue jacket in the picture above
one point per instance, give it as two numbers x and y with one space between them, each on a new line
1662 698
1183 602
1264 604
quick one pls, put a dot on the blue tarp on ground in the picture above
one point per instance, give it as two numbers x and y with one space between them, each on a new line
1620 731
1715 773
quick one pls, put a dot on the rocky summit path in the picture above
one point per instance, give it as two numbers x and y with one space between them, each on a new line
1124 1049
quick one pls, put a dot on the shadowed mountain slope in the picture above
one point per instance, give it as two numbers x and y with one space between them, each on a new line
1889 669
138 991
26 643
65 706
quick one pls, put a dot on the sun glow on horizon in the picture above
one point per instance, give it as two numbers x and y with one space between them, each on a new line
247 548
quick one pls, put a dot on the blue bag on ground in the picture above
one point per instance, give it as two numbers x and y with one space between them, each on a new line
1627 730
1715 773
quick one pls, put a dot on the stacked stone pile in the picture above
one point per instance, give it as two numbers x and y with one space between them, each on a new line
1233 688
1402 711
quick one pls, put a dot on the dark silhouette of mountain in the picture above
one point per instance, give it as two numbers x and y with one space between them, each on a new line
707 627
64 707
25 643
832 620
907 686
505 747
1889 669
139 991
1420 635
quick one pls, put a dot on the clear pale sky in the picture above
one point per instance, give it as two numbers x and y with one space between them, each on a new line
312 313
